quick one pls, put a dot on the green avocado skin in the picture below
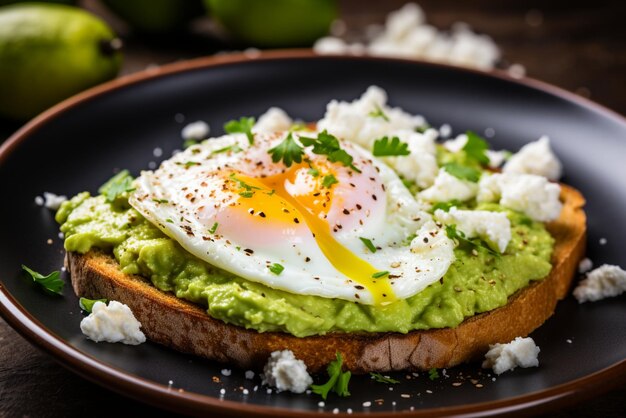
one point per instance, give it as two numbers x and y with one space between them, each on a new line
473 283
49 52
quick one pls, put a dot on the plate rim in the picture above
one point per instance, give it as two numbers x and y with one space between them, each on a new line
160 395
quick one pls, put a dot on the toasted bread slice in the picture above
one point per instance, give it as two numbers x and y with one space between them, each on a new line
187 327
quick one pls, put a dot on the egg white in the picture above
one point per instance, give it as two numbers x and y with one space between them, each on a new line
163 197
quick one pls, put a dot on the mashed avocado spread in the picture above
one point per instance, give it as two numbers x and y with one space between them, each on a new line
477 281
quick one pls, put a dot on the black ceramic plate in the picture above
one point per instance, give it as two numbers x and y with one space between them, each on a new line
79 144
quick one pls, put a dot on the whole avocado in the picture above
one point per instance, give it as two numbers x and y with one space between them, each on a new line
49 52
274 23
156 16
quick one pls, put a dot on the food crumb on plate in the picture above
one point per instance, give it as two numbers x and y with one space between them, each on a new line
226 372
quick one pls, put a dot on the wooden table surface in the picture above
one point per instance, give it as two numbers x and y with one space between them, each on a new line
578 46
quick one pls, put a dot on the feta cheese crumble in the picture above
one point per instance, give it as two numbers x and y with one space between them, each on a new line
50 200
493 227
535 158
112 323
585 265
285 372
196 130
522 352
603 282
273 120
366 119
448 187
531 194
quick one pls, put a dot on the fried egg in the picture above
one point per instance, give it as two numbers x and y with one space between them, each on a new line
314 228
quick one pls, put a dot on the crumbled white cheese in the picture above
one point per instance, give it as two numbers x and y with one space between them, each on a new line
603 282
285 372
249 374
430 236
366 119
535 158
445 130
112 323
522 352
528 193
448 187
493 227
456 144
226 372
585 265
273 120
496 158
50 200
420 165
196 130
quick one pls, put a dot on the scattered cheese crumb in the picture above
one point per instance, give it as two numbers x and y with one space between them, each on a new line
112 323
39 200
605 281
522 352
50 200
603 241
585 265
273 120
196 130
535 158
249 374
336 411
367 404
445 130
222 391
226 372
349 410
321 404
285 372
245 391
568 341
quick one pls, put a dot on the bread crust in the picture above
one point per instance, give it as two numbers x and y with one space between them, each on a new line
187 327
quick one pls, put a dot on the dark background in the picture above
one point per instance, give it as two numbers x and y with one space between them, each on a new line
579 46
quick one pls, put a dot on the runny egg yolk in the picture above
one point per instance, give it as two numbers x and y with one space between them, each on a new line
309 206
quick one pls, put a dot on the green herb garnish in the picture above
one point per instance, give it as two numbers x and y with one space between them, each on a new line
368 244
378 113
116 185
248 190
383 379
328 145
383 147
380 274
423 128
288 151
475 147
462 172
314 172
160 201
233 148
87 304
243 125
329 180
52 282
337 382
276 268
433 374
455 234
445 206
213 228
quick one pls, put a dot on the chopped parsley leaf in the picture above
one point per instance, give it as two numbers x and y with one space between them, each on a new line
213 228
87 304
445 206
289 151
476 147
383 379
329 180
462 172
248 189
117 185
380 274
379 113
247 194
232 148
383 147
314 172
189 143
328 145
276 268
433 374
423 128
368 244
52 282
455 234
337 382
243 125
